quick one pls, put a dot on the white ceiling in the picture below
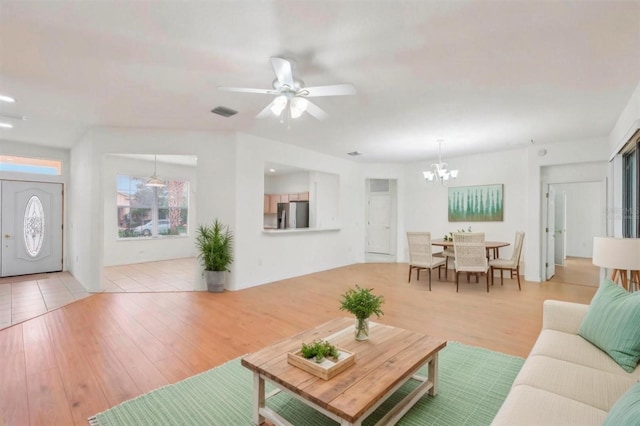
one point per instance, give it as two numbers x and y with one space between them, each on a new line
481 75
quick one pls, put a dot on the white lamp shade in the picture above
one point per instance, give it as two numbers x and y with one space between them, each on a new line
428 175
298 106
617 253
278 105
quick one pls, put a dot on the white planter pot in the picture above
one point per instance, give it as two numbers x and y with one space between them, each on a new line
215 280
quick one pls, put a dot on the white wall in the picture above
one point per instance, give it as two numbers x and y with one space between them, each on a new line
573 152
262 257
626 125
21 149
135 250
585 215
426 203
215 197
285 184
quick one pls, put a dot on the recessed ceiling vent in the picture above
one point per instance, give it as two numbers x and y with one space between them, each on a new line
224 111
354 153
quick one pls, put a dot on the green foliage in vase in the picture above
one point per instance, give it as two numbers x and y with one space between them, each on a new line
361 302
449 237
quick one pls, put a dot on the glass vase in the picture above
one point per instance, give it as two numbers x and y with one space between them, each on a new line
362 329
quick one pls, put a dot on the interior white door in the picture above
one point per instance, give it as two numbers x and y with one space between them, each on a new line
550 233
31 227
379 224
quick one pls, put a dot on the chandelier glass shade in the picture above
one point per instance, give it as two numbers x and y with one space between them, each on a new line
439 171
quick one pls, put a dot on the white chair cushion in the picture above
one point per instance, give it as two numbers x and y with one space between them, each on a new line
502 263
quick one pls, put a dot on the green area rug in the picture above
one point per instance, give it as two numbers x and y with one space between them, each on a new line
473 384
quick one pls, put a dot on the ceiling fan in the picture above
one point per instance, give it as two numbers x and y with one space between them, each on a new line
291 92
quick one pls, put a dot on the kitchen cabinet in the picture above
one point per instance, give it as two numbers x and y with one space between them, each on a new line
271 200
271 203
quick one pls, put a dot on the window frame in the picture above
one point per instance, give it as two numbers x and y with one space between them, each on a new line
631 189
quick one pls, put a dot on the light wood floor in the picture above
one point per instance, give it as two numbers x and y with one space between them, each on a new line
578 270
68 364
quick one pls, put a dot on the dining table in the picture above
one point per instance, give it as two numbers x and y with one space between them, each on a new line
493 247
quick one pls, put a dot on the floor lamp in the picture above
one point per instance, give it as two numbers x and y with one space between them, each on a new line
621 255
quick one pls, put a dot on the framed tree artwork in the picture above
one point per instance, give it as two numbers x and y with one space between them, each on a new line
481 203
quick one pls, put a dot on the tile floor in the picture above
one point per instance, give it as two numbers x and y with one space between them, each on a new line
167 275
26 297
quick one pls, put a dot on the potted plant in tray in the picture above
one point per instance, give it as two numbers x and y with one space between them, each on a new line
214 244
362 303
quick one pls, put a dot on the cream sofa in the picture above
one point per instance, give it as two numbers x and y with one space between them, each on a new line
565 380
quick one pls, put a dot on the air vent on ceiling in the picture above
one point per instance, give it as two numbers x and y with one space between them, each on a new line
354 153
224 111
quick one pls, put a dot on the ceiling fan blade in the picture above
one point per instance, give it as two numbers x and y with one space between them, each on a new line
266 112
248 90
315 111
282 68
332 90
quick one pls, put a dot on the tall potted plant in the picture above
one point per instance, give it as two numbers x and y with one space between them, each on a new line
362 303
215 246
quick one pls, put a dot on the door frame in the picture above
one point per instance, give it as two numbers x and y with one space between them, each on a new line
393 221
545 187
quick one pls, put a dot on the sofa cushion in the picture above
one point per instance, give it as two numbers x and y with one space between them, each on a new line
612 322
626 411
591 386
573 348
529 406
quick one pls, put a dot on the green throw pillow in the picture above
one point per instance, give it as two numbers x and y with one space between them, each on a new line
626 410
612 323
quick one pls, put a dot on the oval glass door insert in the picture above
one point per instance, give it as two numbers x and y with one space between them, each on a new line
34 227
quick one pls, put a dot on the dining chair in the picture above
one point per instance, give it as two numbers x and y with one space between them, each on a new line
471 257
447 253
420 255
513 264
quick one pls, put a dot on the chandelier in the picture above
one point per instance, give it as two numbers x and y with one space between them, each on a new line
155 181
439 172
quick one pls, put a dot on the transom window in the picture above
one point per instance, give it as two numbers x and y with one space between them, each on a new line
152 212
41 166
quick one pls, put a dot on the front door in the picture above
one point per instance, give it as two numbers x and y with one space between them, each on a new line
31 227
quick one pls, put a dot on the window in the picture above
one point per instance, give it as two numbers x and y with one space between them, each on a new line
151 212
631 190
41 166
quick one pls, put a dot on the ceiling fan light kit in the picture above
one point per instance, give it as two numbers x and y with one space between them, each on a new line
292 94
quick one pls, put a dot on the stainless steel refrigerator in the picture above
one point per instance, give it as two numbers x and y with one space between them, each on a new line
293 215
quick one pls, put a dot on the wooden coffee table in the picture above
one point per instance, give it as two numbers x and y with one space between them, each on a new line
386 361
